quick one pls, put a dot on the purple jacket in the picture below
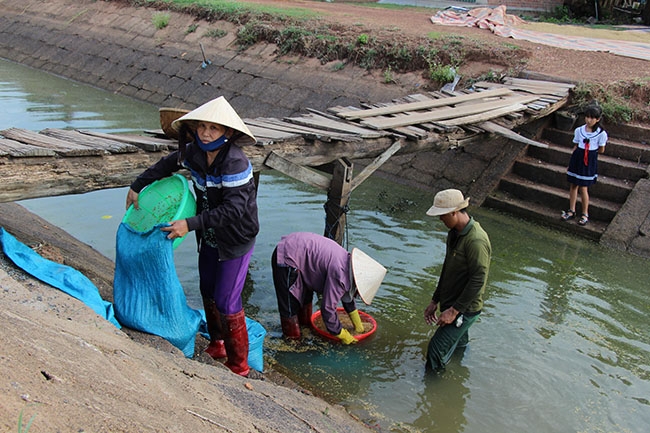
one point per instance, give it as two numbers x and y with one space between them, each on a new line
323 267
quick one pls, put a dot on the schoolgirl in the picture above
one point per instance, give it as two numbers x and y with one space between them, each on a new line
590 140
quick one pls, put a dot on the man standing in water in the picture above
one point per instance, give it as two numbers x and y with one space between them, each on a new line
460 289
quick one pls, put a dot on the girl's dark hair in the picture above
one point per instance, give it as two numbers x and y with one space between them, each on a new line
595 112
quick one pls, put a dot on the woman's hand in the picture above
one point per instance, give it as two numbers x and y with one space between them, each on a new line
132 199
176 229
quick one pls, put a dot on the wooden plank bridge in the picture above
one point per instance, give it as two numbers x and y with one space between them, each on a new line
316 148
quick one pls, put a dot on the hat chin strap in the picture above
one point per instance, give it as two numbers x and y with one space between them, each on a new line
211 146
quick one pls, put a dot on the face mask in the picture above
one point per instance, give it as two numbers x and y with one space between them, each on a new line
211 146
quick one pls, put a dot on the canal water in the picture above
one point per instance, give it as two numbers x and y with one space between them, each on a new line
563 344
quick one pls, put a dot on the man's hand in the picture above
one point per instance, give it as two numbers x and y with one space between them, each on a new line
448 316
430 313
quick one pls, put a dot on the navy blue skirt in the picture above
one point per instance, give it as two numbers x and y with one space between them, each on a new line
580 174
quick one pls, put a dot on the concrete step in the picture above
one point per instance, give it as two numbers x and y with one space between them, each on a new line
543 195
608 165
540 172
544 215
635 149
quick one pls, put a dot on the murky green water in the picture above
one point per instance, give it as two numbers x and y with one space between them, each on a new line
563 344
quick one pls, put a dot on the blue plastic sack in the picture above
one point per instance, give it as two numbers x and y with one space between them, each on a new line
63 277
147 295
256 334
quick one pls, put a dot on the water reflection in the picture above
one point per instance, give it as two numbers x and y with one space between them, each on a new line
29 97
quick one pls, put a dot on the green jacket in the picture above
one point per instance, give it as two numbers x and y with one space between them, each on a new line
465 271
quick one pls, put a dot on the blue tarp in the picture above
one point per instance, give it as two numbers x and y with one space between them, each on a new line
146 292
63 277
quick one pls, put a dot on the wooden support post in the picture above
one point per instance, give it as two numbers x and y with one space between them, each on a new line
338 196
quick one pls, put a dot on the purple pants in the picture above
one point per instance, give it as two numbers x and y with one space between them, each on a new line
223 281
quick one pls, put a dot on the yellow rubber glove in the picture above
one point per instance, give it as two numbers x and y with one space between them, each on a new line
346 337
356 321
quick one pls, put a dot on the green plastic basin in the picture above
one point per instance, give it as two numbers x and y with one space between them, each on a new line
163 201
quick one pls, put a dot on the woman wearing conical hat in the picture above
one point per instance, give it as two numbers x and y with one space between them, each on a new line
225 223
304 263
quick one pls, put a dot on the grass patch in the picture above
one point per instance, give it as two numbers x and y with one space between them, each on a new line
215 33
160 20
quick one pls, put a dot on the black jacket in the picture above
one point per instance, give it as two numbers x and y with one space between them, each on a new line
226 196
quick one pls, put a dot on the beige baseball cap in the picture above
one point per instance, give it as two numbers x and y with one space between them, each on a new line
367 273
218 111
446 201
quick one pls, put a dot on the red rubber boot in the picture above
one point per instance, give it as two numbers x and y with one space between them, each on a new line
290 327
236 342
304 315
216 349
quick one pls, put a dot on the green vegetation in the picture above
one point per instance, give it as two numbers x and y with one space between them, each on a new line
616 109
25 428
191 28
215 33
388 75
227 10
441 73
160 20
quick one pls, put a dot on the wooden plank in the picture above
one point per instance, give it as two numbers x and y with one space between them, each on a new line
307 132
508 133
412 132
374 165
314 120
482 117
77 137
61 147
274 134
423 105
22 150
297 172
447 113
149 144
538 83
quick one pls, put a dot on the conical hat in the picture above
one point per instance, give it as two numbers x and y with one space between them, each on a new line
221 112
368 275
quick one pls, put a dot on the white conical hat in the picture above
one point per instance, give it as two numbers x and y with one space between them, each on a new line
221 112
368 275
